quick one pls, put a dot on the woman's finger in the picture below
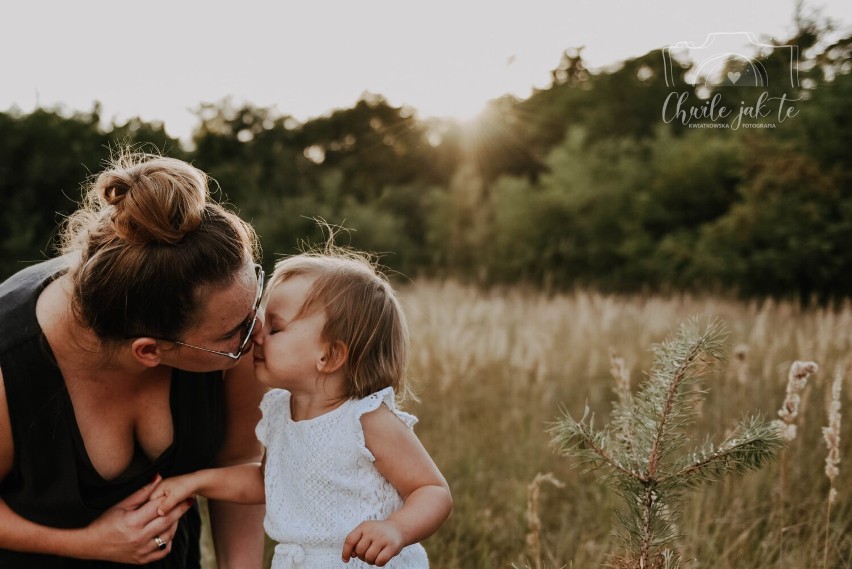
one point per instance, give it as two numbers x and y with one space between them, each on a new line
168 522
146 513
141 496
160 532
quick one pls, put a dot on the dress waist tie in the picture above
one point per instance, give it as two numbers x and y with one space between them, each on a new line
289 556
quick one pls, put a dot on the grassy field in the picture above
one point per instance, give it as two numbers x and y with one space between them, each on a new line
494 369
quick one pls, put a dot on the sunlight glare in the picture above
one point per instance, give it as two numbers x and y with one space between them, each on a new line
461 107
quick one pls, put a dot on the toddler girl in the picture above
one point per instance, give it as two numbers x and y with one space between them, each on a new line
345 477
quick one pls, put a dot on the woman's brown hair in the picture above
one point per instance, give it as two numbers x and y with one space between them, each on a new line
146 238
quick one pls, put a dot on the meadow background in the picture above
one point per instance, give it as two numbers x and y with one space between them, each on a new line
495 369
528 242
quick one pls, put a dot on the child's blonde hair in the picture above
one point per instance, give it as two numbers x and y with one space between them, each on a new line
362 311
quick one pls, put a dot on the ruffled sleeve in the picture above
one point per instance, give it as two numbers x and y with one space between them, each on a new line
273 404
371 403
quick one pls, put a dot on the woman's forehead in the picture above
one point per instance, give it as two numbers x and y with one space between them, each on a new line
228 303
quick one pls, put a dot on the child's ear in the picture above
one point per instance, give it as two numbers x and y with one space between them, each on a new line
146 351
334 357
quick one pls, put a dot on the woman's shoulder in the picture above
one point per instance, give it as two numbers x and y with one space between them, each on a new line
33 276
7 456
18 296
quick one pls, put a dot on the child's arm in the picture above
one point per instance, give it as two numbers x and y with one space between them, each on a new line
242 483
402 460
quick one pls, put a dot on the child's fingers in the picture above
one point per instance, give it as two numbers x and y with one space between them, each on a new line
351 542
167 508
384 556
371 555
168 502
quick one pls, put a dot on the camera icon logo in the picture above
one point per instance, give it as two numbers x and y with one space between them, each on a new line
722 60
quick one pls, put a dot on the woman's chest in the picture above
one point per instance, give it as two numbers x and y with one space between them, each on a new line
118 423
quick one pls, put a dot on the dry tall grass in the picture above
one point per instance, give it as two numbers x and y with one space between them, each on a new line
492 370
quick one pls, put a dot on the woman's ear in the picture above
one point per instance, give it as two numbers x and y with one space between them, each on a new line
334 357
146 351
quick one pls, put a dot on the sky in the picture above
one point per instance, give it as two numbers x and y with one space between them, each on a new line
160 59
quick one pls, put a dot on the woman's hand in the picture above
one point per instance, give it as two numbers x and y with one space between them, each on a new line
127 532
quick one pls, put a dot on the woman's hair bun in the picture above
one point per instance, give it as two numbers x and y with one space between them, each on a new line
114 191
153 198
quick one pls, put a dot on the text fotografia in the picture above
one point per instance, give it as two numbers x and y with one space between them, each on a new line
677 108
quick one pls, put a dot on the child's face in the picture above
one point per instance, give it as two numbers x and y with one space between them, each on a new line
289 348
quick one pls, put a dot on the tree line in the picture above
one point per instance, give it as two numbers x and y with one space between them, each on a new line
599 180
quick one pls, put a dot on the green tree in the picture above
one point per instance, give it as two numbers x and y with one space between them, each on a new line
374 145
788 233
45 158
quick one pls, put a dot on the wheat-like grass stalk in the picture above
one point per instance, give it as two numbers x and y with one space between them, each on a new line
622 413
831 433
740 361
533 518
797 379
620 374
796 382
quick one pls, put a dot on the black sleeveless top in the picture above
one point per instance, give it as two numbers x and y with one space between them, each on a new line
52 481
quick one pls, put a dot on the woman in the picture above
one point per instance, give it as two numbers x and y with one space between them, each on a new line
120 363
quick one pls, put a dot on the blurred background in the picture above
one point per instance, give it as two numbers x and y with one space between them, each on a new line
491 142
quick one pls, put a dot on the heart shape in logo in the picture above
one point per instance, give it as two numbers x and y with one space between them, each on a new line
734 77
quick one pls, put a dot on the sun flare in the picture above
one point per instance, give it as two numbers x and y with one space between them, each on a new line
455 106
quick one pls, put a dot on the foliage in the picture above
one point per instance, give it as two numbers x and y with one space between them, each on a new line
642 454
573 225
45 156
580 184
785 233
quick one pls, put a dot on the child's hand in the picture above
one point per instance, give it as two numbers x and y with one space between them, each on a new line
374 542
173 491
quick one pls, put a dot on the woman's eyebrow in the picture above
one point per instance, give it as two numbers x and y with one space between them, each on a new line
236 328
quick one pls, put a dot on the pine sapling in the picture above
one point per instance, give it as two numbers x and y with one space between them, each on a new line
643 451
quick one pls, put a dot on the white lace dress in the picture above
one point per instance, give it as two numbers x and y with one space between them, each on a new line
321 483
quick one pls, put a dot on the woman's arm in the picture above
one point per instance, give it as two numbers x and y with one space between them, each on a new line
124 533
238 529
402 460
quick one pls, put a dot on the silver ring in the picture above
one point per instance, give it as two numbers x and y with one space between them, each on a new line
161 545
